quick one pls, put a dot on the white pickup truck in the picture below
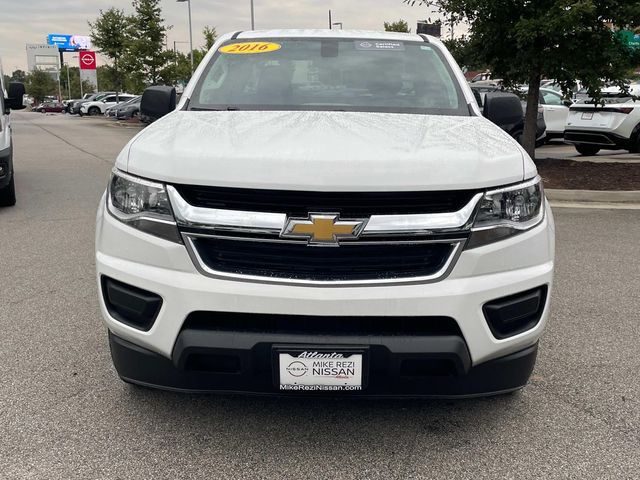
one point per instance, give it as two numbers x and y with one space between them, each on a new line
325 211
11 97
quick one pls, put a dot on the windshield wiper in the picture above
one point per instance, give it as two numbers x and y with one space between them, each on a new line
206 109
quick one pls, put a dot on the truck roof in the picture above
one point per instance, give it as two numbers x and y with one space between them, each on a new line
334 33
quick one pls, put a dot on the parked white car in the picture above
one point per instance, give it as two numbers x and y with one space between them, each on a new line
555 110
325 211
98 107
612 126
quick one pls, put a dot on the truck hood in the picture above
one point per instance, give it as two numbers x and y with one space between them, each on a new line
325 151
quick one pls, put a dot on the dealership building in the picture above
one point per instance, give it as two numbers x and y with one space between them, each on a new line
43 57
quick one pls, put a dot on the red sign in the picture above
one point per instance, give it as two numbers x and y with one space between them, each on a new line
87 60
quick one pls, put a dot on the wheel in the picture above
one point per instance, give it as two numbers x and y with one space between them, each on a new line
635 144
587 150
93 111
135 114
8 193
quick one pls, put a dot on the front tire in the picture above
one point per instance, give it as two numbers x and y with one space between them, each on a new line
93 111
635 144
8 193
587 150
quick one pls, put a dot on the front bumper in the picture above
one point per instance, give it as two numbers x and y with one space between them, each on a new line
386 378
602 139
480 275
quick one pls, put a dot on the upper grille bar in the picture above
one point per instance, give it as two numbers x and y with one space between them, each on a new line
347 204
272 223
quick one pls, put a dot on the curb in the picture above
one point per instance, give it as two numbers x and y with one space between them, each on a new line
593 196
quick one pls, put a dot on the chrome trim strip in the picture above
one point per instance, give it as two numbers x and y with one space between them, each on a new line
412 241
274 223
229 220
422 224
439 275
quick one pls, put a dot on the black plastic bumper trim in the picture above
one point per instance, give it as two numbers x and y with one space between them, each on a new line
515 314
130 305
607 140
253 375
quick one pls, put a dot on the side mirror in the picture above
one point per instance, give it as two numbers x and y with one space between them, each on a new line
15 95
503 109
157 102
567 103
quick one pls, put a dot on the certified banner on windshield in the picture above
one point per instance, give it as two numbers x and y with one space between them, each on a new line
312 370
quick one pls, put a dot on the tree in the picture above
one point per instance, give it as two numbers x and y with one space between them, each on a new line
399 26
210 35
523 40
19 76
106 78
41 84
463 50
147 55
182 68
74 80
109 36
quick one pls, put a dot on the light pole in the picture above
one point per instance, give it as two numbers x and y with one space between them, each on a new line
190 31
66 64
80 75
59 87
253 20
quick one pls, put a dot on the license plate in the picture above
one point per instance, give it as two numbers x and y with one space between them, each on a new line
587 116
312 370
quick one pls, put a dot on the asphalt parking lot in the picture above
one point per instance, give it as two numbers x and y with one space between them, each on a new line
64 413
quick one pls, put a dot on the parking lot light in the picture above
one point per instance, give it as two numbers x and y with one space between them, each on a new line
190 31
253 19
68 81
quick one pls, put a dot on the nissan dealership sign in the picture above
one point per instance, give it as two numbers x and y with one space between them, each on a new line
87 60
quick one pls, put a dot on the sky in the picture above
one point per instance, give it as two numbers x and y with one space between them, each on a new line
29 21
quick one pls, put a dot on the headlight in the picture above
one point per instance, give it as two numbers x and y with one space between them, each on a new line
508 211
142 204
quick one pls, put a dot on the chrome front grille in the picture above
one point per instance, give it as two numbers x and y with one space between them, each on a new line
257 246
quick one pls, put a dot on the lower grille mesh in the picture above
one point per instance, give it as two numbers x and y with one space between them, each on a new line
301 262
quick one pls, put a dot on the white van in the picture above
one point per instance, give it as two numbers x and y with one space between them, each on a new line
10 99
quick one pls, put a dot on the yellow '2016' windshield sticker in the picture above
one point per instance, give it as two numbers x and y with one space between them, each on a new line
249 48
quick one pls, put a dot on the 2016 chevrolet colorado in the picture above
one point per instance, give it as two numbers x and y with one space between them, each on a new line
325 211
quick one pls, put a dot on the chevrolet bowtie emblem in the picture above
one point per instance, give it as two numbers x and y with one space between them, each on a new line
323 229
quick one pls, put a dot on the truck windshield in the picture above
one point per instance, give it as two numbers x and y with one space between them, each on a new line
329 74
